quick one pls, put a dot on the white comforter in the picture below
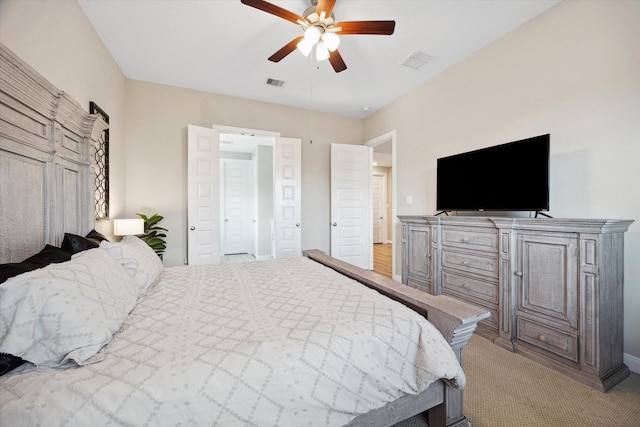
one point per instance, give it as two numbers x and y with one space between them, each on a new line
268 343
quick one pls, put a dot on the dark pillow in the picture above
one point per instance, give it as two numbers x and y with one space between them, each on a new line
48 255
9 362
73 243
8 271
96 236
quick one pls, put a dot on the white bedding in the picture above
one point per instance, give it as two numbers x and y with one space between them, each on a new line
268 343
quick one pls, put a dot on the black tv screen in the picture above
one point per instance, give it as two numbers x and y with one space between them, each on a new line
513 177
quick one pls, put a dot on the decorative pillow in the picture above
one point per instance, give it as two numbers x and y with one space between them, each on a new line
96 237
73 243
66 311
49 254
142 263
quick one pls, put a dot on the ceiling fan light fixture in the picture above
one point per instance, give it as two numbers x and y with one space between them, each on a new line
304 46
331 41
312 34
322 53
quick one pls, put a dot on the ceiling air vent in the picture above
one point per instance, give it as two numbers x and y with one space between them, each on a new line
418 60
274 82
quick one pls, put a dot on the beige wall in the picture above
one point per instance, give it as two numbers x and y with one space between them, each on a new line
157 119
57 40
573 72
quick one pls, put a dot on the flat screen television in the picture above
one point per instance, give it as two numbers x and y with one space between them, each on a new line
506 177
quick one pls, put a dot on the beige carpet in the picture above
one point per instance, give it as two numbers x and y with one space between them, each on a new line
507 389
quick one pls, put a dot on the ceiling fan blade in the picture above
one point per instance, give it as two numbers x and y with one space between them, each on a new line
274 10
285 50
336 61
383 28
326 6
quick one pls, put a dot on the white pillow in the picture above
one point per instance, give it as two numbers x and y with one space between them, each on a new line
65 311
142 263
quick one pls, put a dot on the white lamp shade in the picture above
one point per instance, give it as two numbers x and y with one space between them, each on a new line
322 52
305 46
331 41
127 227
312 35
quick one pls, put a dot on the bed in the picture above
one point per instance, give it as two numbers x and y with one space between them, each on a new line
113 338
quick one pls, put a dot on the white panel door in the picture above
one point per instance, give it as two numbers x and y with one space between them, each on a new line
237 209
203 198
351 231
379 207
287 169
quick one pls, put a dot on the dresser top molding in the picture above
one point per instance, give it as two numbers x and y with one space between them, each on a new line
582 225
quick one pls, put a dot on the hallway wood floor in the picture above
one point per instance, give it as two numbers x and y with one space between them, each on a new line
382 258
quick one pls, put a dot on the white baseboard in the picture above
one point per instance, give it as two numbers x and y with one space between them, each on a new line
398 278
632 362
263 257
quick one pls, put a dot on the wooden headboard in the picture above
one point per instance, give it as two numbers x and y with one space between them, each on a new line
47 162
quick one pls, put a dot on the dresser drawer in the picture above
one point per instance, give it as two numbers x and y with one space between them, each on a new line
486 266
462 238
555 341
468 286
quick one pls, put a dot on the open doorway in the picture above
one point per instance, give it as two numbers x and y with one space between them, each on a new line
279 224
383 203
246 197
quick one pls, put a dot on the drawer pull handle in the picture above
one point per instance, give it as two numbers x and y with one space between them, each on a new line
465 262
542 338
465 239
519 273
467 286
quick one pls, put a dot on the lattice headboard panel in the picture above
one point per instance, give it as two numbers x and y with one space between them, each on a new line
46 171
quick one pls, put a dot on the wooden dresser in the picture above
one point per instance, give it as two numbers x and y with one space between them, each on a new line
554 287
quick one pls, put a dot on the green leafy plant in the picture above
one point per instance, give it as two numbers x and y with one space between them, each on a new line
153 234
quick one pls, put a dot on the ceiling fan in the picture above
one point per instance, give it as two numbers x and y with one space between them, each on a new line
320 30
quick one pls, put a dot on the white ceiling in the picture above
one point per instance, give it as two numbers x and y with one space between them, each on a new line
222 46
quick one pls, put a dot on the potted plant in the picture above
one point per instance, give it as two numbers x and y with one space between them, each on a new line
153 234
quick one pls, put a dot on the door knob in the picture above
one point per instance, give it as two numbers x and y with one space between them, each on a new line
192 228
334 224
297 224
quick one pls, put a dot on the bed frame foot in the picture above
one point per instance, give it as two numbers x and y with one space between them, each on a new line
437 417
462 423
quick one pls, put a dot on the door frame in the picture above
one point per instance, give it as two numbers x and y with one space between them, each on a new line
379 140
258 133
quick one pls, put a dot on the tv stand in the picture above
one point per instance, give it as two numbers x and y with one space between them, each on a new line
543 214
442 212
553 287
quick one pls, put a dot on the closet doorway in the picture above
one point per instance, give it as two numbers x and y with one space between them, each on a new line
246 195
273 223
